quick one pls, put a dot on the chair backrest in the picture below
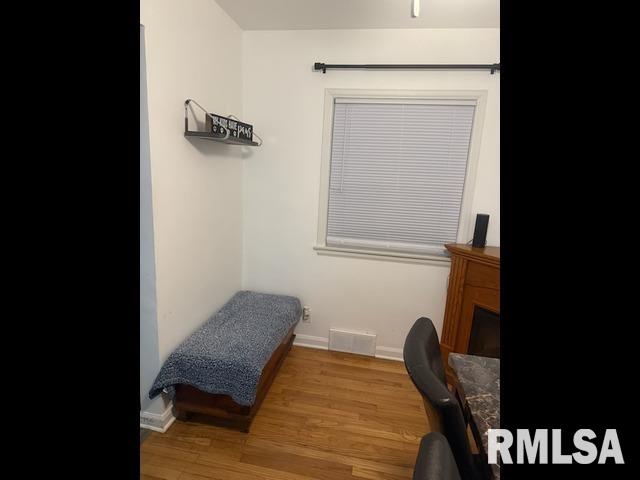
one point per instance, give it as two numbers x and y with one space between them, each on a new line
435 460
423 361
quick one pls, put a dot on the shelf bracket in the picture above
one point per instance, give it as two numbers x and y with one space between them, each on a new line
186 116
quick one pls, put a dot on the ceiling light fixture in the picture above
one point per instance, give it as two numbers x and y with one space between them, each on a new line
415 11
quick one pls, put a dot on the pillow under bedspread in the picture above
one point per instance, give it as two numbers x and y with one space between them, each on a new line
227 353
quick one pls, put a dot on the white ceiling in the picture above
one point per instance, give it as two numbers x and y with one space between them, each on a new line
328 14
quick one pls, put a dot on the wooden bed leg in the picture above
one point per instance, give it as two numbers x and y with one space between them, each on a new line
182 415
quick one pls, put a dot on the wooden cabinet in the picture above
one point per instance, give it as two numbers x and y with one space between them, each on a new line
474 281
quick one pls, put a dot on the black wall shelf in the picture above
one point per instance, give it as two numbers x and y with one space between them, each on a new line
219 138
229 137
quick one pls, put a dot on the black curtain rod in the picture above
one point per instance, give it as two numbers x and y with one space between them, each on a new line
493 67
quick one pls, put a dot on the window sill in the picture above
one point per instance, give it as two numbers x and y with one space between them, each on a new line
439 260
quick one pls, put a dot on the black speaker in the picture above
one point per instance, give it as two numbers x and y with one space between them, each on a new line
480 232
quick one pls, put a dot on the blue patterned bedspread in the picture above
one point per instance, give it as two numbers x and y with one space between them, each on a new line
227 353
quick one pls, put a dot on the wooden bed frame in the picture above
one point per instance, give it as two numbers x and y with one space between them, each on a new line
222 410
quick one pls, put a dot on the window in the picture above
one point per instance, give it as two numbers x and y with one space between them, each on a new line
396 172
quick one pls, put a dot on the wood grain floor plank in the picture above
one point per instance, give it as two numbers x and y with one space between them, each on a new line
328 416
218 472
306 451
163 461
170 452
289 462
160 472
360 472
242 468
346 389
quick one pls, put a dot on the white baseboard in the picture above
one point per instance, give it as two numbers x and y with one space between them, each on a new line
310 341
157 422
322 343
390 353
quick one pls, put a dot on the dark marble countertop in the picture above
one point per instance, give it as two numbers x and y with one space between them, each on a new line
479 379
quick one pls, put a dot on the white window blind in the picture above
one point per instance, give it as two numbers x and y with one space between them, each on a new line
397 174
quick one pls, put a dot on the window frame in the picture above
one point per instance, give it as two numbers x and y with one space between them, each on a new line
465 221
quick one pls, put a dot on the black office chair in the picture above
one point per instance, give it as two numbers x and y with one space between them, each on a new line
435 460
423 361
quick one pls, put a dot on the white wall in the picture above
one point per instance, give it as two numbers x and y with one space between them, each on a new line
197 184
149 358
284 100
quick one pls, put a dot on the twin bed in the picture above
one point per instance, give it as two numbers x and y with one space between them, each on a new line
225 368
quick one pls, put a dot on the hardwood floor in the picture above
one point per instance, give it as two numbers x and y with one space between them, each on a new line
328 415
